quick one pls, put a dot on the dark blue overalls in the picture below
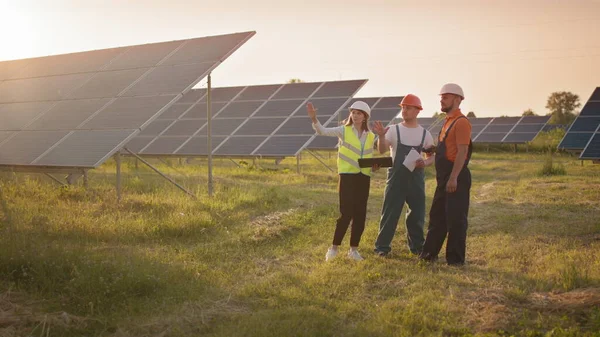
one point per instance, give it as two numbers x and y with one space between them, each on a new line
403 186
449 211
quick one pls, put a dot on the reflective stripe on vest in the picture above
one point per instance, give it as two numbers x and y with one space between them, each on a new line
351 150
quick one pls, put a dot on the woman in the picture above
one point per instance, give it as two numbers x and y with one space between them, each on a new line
356 141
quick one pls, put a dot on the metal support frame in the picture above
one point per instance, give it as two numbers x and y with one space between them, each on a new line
86 182
55 179
171 166
236 164
209 138
298 164
320 161
118 160
161 174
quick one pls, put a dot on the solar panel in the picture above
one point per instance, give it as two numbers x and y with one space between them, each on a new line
592 149
575 140
591 109
323 143
496 130
595 95
581 130
76 110
262 120
526 129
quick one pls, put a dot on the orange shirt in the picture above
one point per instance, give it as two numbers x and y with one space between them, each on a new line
460 134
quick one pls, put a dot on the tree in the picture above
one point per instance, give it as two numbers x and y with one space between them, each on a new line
295 80
438 115
529 112
471 114
562 105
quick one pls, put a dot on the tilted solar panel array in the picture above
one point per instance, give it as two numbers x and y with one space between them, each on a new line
592 116
584 126
263 120
496 130
76 110
526 129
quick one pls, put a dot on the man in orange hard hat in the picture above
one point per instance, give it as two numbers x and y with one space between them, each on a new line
450 207
403 184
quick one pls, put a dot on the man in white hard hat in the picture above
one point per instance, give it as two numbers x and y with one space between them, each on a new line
450 206
356 141
403 185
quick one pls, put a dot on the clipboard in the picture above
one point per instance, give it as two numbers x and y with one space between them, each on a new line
370 162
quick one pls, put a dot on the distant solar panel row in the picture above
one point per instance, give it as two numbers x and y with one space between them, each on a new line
498 129
264 120
76 110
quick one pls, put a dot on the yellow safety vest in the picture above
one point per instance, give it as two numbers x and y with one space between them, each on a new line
350 150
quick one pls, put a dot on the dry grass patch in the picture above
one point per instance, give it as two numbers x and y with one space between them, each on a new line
20 317
570 301
271 225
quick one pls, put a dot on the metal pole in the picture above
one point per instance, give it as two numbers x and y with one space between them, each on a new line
160 173
85 179
208 125
118 160
298 164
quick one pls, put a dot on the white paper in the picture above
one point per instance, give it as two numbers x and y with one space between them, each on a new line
411 159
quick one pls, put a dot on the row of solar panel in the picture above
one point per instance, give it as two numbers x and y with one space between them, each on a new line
78 109
584 133
271 126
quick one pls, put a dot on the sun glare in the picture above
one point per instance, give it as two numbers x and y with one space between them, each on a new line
17 31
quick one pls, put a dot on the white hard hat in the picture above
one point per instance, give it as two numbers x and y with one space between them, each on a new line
452 88
362 106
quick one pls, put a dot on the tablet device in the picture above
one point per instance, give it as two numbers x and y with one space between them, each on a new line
381 161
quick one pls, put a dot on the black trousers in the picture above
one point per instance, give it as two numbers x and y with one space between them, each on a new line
448 215
354 194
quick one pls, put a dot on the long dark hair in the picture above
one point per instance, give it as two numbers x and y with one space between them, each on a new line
365 124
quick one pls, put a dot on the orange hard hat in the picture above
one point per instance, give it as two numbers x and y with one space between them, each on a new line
412 100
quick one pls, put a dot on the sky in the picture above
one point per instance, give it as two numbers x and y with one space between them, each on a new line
508 56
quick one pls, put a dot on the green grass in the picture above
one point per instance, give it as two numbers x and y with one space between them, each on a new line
249 261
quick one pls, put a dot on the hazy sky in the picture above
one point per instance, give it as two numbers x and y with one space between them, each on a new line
507 55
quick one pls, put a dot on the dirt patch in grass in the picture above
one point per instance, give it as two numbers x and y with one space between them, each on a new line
484 192
575 300
488 310
271 225
491 310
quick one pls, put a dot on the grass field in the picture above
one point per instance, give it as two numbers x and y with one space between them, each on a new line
250 260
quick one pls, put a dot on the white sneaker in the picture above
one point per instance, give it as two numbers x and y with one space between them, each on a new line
353 254
331 253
